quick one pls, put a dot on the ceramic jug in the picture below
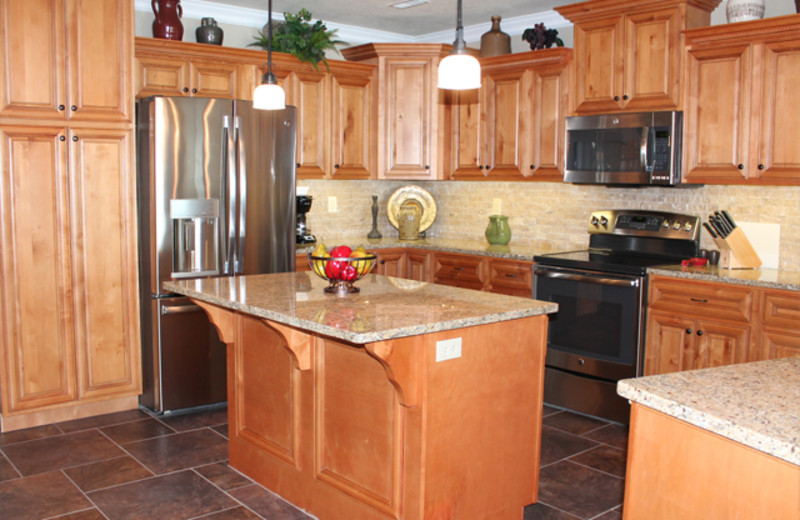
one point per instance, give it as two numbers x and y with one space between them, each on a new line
495 42
167 24
744 10
208 32
497 232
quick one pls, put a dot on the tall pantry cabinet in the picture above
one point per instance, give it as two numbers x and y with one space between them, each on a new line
69 340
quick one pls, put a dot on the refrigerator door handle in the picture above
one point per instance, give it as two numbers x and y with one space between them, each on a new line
241 168
229 180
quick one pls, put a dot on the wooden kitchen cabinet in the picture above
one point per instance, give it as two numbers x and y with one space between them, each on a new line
512 127
511 277
628 53
778 324
59 64
308 90
741 111
353 121
468 271
391 262
418 265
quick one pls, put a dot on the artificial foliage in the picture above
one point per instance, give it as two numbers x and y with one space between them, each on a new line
295 35
542 38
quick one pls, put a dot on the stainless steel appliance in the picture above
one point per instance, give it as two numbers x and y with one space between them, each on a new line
216 197
624 149
304 235
597 336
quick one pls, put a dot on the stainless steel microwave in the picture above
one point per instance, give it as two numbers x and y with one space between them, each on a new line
641 149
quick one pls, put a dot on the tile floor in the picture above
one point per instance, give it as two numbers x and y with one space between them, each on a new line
130 465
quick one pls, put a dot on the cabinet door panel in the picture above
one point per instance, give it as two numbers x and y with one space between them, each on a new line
104 248
353 135
510 277
779 154
309 92
99 59
37 314
419 266
652 65
716 116
391 262
669 346
550 98
508 133
161 76
598 56
467 154
459 270
32 64
776 344
720 344
213 79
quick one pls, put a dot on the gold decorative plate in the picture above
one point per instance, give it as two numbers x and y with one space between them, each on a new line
412 193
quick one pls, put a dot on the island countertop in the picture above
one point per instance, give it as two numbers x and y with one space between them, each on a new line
756 404
385 308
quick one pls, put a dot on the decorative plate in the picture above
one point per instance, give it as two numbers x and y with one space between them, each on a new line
412 193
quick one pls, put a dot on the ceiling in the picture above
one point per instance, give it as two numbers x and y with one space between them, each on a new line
432 21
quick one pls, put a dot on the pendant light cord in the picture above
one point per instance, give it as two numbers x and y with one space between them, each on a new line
269 76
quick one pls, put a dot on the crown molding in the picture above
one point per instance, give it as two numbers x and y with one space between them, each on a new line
256 18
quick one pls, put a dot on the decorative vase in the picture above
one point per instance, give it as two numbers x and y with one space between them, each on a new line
208 32
744 10
797 5
374 233
495 42
167 24
497 232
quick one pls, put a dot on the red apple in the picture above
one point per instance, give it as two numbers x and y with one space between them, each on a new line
340 252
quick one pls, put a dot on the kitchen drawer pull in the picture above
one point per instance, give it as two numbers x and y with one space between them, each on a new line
179 309
699 300
509 275
458 269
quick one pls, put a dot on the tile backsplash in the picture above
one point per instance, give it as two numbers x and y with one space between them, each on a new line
549 212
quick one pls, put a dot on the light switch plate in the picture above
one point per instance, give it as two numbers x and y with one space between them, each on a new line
333 204
448 349
497 206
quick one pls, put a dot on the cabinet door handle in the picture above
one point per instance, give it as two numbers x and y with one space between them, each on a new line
427 166
186 89
62 138
533 167
61 107
625 97
74 137
194 91
336 166
740 166
698 300
689 331
699 332
616 98
760 166
73 108
382 262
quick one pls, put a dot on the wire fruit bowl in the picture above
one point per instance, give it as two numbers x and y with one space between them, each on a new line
342 272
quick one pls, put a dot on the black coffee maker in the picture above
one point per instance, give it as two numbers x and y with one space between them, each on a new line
304 235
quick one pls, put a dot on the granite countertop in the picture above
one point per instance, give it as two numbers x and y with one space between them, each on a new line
469 247
769 278
385 308
756 404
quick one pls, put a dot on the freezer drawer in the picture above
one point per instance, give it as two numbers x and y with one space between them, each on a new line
188 359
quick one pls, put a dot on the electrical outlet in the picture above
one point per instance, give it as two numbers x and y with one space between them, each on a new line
333 204
497 206
448 349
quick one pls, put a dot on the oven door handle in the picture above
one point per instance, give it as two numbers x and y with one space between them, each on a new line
602 280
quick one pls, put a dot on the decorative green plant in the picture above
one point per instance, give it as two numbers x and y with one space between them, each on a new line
296 36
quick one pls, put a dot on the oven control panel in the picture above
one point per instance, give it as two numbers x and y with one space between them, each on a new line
659 224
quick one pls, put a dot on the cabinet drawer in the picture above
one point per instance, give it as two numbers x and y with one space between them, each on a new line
513 278
780 309
720 301
459 270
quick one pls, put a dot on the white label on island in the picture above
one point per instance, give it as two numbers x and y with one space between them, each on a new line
448 349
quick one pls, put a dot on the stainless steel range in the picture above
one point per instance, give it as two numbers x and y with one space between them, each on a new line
597 336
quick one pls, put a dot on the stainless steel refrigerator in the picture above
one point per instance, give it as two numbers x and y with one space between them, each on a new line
216 197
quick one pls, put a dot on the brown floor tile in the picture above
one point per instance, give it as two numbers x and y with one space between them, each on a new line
112 472
613 434
544 512
611 515
89 514
62 451
40 496
193 421
99 421
180 450
136 431
222 429
604 458
7 471
572 422
579 490
170 497
237 513
268 504
28 434
557 445
223 476
549 410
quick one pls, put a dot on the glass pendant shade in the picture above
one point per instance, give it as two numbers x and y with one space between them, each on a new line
459 72
269 96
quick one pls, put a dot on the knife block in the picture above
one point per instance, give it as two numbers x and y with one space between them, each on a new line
735 251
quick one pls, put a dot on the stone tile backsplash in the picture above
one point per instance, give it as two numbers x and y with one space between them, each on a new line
547 211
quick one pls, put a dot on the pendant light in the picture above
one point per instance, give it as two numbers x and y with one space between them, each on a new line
460 70
269 95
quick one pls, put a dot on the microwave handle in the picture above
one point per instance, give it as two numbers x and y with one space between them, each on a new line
644 145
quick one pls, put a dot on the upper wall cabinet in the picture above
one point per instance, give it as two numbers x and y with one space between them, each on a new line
740 123
512 128
628 53
65 59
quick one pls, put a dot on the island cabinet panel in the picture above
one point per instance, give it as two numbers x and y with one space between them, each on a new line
67 60
740 113
671 463
382 430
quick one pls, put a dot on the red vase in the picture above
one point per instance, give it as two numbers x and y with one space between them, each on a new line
167 24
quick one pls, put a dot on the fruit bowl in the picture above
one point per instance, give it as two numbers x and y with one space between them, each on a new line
341 271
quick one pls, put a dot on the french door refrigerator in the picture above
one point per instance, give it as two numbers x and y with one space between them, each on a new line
216 197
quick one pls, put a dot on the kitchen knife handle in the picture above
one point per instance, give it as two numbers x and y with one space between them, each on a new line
710 231
728 219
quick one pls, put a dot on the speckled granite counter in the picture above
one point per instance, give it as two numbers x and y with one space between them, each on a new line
385 308
769 278
755 404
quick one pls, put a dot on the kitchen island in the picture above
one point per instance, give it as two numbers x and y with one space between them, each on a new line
715 444
407 400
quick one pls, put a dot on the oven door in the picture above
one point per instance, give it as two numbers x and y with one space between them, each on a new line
597 330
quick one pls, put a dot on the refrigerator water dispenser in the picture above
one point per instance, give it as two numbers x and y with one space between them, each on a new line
195 235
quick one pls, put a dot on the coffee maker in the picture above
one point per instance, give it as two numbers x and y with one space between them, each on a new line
304 235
